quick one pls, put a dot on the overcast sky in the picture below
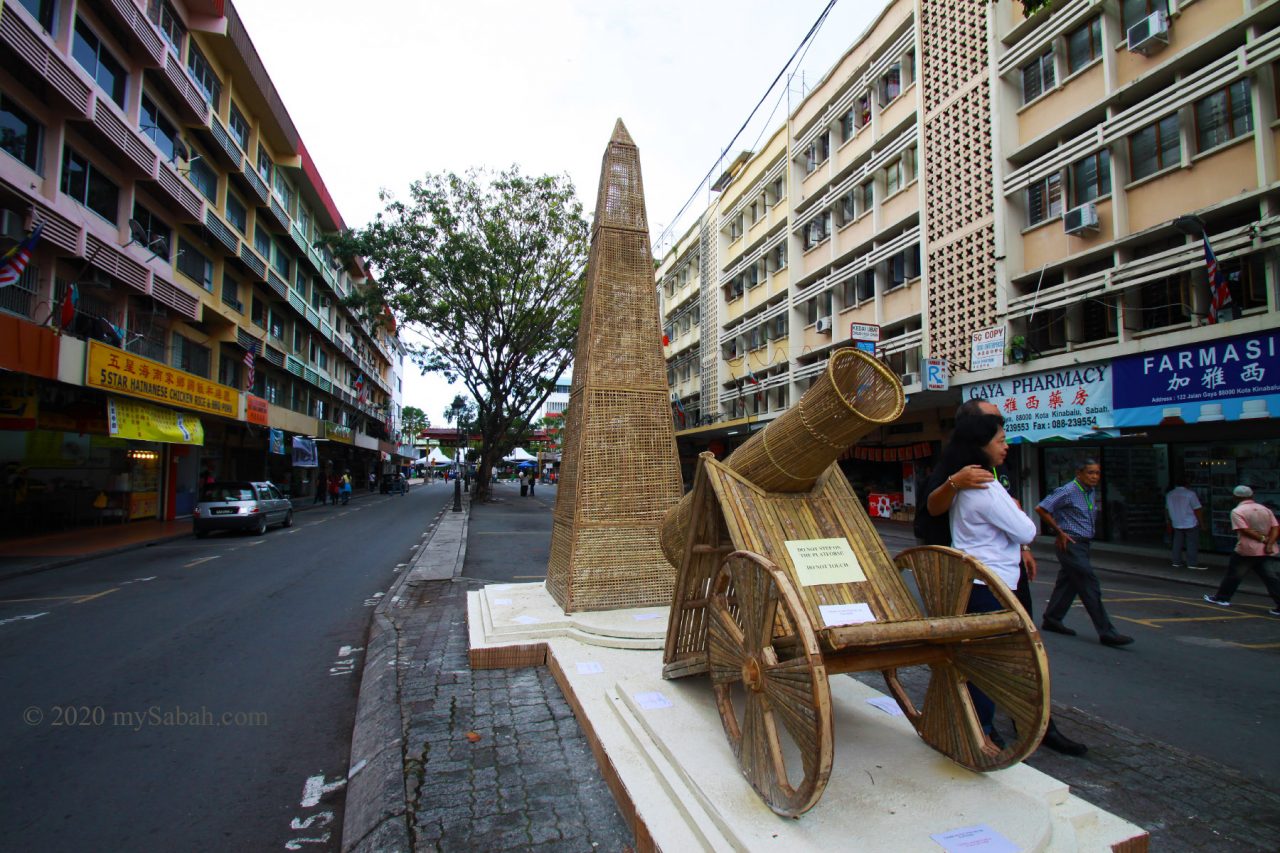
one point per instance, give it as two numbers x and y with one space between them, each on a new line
386 91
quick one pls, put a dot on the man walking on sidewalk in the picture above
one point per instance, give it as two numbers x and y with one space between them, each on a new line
1071 512
1183 508
1256 534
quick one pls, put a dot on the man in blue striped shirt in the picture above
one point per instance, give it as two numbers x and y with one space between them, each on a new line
1071 512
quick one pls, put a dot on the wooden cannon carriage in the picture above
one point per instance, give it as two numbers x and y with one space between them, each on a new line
782 582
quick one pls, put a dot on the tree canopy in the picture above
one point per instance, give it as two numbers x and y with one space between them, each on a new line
413 421
488 268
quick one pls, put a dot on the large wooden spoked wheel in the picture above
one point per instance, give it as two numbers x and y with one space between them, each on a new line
1011 668
752 602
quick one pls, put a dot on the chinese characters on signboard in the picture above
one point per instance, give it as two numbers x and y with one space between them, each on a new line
122 372
1235 378
1068 403
987 349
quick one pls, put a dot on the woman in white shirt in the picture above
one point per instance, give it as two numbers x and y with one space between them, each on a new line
986 524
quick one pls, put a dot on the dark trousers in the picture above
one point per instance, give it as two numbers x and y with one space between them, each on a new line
1076 577
1240 565
982 601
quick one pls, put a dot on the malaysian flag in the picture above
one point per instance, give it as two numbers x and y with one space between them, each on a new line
250 357
17 258
359 387
1219 293
679 407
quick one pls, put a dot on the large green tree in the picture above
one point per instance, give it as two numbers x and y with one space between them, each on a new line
487 268
413 421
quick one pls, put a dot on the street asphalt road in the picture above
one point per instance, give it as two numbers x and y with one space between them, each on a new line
196 695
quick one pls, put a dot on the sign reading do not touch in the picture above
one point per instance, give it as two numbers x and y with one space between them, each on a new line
824 561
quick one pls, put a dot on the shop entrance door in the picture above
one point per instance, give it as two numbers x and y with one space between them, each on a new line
186 484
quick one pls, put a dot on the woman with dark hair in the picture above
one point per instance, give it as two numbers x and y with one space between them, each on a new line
986 524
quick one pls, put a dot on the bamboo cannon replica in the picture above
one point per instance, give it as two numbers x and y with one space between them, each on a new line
782 581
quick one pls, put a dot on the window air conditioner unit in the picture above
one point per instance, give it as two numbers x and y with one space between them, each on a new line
1149 34
910 379
1077 220
824 325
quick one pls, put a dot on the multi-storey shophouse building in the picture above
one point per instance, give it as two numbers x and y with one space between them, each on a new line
1015 208
181 220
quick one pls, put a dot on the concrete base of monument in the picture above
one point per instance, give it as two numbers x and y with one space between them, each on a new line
509 625
661 748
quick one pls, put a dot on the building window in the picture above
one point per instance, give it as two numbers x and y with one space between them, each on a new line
237 215
262 242
867 197
1091 177
231 293
847 126
778 258
818 152
194 265
299 341
158 129
238 125
203 74
1037 76
1223 116
229 368
106 71
259 312
82 181
904 266
1163 303
20 134
162 14
848 208
735 227
264 164
155 229
1133 11
284 191
190 356
863 106
1084 45
893 178
1155 148
1044 199
280 260
203 177
275 324
818 230
41 10
891 83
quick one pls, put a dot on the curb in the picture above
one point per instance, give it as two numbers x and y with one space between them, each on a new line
376 814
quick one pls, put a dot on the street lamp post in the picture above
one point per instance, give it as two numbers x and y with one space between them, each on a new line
457 472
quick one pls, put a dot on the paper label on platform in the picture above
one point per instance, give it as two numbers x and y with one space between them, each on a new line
652 701
640 617
589 667
886 704
502 602
980 837
526 620
845 614
824 561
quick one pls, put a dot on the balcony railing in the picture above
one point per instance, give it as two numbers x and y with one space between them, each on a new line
221 232
27 39
253 262
224 147
255 182
277 284
190 100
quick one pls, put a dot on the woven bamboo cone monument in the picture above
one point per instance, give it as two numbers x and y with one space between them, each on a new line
620 472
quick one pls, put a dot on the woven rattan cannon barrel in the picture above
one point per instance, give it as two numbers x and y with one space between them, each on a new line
854 395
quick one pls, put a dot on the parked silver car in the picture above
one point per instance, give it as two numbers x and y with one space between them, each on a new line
241 505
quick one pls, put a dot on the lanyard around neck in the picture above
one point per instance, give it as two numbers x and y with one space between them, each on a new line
1087 499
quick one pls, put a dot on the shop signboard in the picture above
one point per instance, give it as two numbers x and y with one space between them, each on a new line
18 407
1069 403
120 372
255 410
1230 379
883 504
140 422
987 349
304 453
864 332
275 441
337 432
936 375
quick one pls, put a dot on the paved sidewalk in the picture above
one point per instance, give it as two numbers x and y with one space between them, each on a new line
488 760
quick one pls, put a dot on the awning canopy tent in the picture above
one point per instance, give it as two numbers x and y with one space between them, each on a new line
520 455
435 457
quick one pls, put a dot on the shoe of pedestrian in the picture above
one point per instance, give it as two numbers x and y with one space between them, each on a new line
1056 627
996 738
1059 742
1213 599
1115 639
1275 611
1198 568
1177 565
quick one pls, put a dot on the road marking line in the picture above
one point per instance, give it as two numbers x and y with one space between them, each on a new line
1152 623
24 618
527 577
41 598
259 542
513 533
1257 645
85 598
200 560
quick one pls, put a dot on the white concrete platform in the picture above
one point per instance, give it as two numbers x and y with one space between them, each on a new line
677 781
526 613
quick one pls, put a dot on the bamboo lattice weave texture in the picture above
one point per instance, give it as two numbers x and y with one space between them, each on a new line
619 472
